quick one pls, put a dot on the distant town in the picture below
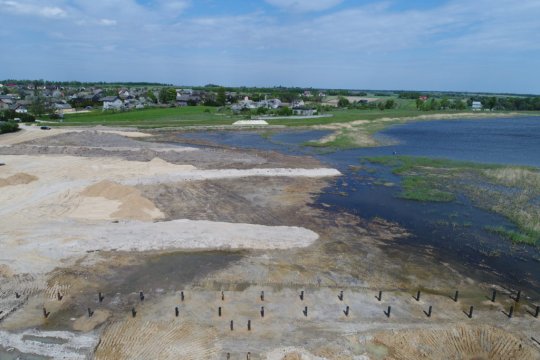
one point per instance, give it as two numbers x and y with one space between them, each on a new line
27 99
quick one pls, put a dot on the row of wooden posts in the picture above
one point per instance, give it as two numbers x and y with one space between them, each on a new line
341 297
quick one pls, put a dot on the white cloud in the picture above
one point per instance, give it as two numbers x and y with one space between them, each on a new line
107 22
25 8
304 5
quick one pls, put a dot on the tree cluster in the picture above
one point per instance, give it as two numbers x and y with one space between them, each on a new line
9 115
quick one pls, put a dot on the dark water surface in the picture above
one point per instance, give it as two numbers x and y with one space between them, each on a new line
455 230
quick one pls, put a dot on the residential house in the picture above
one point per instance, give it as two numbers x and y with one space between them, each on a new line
477 106
304 111
112 103
21 109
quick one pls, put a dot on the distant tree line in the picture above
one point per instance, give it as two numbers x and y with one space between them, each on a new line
42 82
508 103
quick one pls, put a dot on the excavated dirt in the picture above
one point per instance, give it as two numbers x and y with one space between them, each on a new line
17 179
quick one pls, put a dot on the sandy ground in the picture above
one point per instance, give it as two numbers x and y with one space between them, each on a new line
88 211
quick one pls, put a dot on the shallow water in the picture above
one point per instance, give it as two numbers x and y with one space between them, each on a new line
455 230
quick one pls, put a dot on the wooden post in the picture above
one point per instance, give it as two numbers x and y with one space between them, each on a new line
493 295
222 296
90 312
46 313
302 295
59 296
380 296
248 356
340 296
387 313
182 295
456 296
133 312
219 311
511 312
262 311
17 295
471 309
249 325
537 311
176 311
346 311
305 311
141 295
262 295
428 313
518 296
418 295
232 325
100 297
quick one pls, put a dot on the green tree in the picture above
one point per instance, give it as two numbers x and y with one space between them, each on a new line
445 103
381 106
491 102
221 97
167 95
390 104
343 102
40 106
150 95
419 103
285 111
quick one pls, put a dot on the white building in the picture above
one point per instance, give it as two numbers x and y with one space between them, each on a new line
477 106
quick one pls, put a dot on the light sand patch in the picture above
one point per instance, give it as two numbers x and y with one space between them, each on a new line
17 179
142 340
129 134
197 175
86 324
291 353
41 246
109 200
52 344
466 342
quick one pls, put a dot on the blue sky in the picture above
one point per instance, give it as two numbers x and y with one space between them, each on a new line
458 45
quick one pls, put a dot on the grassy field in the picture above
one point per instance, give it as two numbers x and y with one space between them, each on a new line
506 190
153 117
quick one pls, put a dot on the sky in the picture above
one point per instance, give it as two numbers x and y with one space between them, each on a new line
446 45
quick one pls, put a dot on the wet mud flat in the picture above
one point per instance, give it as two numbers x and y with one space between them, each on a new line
352 254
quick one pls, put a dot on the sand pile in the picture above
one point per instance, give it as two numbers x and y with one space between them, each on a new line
130 204
17 179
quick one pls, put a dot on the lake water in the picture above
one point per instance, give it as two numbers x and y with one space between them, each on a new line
455 230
